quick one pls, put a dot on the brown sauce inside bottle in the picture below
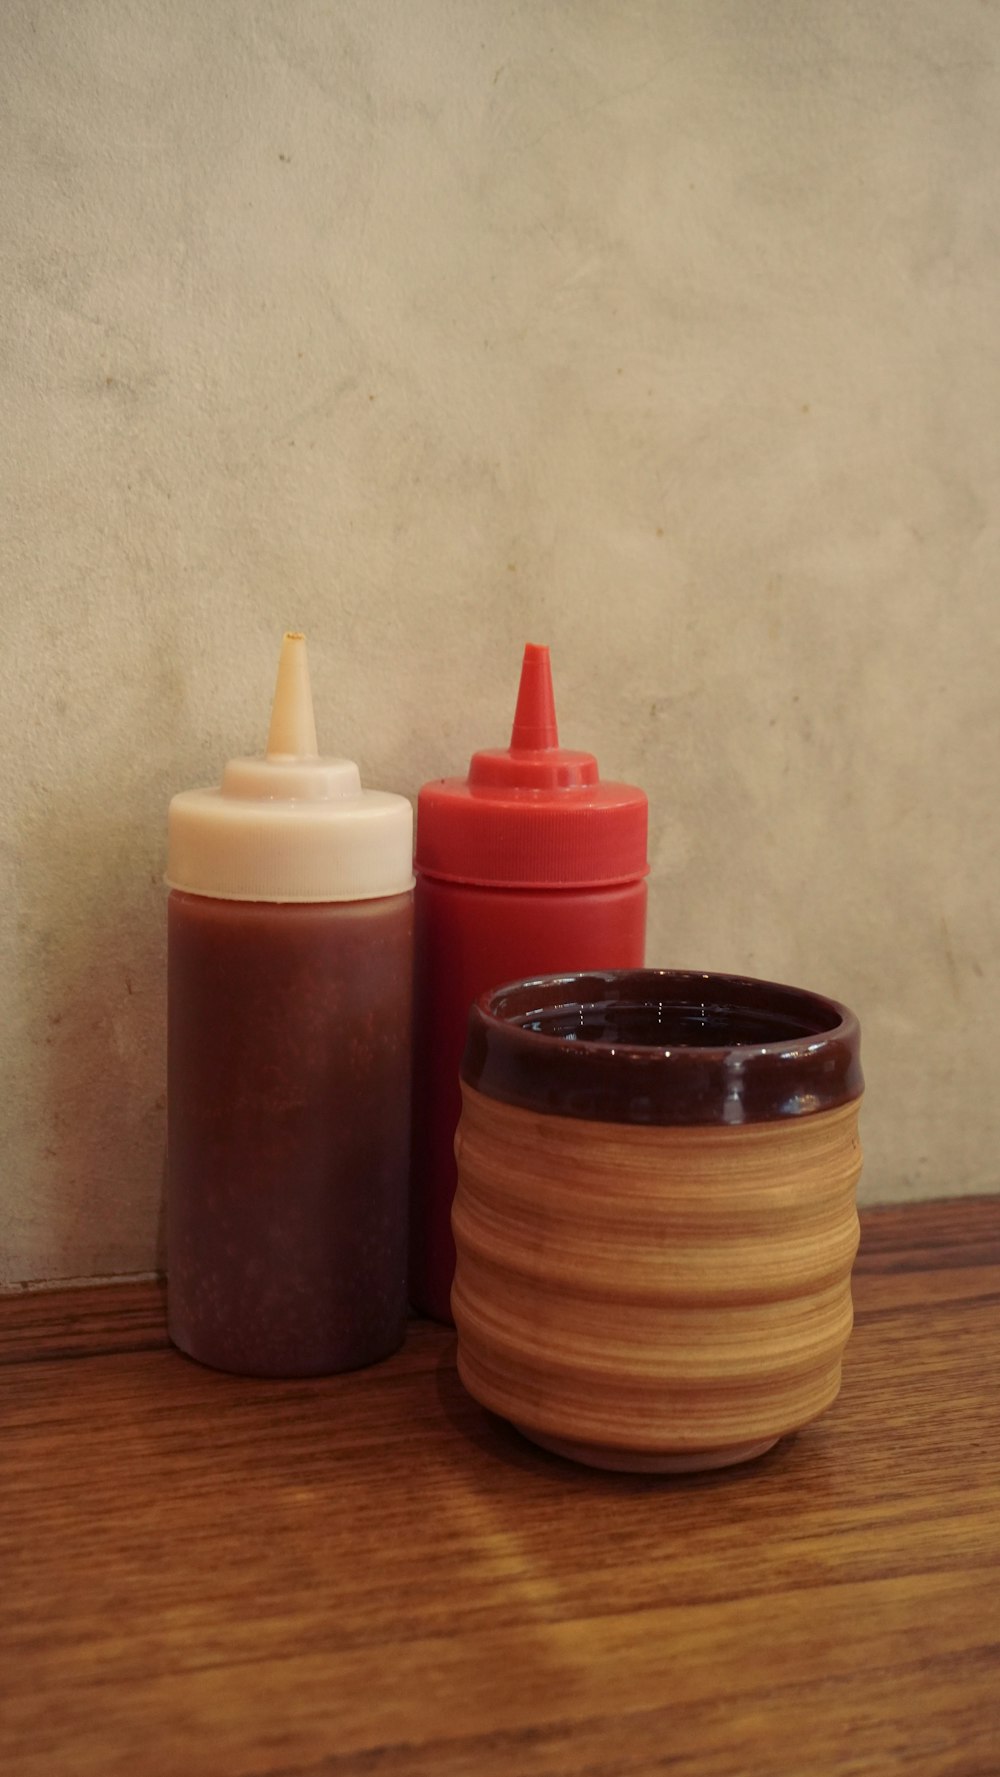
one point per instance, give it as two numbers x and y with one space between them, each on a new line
288 1076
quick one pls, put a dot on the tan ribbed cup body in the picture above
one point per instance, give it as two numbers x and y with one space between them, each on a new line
654 1297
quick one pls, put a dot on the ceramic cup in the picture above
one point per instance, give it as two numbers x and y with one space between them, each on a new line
655 1218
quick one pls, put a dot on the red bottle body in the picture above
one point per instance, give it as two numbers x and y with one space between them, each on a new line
468 939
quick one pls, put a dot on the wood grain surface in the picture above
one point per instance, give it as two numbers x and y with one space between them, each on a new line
370 1575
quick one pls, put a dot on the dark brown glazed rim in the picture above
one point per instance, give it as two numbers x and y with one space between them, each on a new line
811 1062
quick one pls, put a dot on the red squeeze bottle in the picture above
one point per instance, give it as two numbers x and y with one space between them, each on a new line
529 866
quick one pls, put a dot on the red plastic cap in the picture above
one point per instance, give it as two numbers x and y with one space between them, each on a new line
535 814
535 716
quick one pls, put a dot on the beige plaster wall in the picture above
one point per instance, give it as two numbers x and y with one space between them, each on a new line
667 333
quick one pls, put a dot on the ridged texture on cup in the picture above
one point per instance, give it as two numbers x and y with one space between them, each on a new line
654 1290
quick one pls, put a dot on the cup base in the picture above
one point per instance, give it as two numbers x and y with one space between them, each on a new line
649 1462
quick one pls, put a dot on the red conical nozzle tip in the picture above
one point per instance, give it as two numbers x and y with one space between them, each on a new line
535 715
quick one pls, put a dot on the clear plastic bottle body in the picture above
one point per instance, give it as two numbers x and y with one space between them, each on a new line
289 1039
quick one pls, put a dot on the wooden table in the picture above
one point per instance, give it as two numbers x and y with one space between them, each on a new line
368 1575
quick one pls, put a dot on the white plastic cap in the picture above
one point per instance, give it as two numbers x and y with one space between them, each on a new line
291 826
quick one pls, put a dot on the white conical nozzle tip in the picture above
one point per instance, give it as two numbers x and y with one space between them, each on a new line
293 727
